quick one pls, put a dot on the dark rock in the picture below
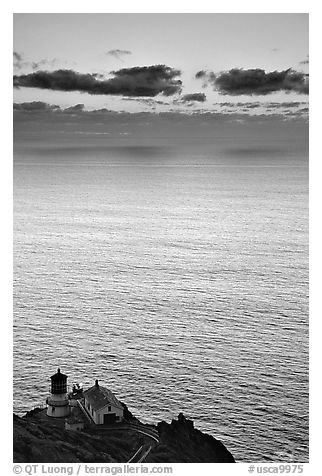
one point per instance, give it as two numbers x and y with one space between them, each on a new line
180 442
33 412
128 416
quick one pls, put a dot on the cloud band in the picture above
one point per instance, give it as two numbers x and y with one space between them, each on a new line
136 82
236 82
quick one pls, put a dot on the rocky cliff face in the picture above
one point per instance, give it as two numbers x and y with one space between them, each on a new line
180 442
40 440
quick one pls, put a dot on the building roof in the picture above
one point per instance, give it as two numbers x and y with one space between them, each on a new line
59 376
99 397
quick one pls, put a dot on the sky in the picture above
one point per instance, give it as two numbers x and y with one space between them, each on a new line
225 63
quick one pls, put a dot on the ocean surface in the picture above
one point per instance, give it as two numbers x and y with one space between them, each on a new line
177 275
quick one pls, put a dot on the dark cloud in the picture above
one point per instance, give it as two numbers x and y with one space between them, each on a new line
118 53
201 74
239 81
301 110
148 80
283 105
147 101
225 104
229 109
35 106
75 109
17 56
199 97
17 60
306 61
138 81
43 62
268 105
249 105
206 76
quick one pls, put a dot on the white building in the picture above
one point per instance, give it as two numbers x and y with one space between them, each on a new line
102 405
58 402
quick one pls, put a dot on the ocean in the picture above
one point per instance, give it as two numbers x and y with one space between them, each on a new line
177 275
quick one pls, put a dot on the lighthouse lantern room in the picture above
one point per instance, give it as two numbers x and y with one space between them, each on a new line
58 402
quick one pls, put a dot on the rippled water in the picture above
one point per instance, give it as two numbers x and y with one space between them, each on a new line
178 277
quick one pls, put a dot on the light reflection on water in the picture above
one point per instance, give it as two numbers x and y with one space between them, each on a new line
182 287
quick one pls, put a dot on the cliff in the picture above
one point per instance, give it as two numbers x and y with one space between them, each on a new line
180 442
40 439
37 442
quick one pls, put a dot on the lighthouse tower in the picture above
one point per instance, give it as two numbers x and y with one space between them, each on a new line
57 402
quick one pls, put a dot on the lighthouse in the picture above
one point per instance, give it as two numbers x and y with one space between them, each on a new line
58 402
